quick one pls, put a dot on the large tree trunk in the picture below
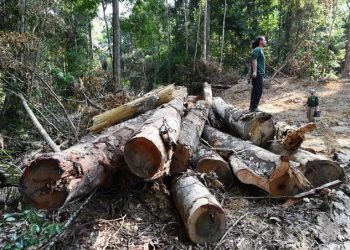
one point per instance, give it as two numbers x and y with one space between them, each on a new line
316 168
51 180
148 154
201 213
198 34
207 160
283 176
104 6
116 44
131 109
346 69
206 33
223 36
256 127
191 130
291 137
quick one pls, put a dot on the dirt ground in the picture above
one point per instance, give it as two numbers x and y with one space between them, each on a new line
145 216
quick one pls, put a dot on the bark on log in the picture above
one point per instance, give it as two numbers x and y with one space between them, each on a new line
201 213
316 168
291 137
247 175
51 180
131 109
283 176
148 154
257 127
191 130
207 160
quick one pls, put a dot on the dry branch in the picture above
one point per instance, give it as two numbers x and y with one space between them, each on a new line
37 124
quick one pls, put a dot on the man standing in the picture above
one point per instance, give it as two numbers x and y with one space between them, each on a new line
258 72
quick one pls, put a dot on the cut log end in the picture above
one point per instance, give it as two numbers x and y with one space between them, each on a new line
218 166
320 172
40 186
207 223
262 132
140 151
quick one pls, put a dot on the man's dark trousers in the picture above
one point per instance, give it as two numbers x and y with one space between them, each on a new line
257 91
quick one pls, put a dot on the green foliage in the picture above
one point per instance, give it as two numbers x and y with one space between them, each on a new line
30 228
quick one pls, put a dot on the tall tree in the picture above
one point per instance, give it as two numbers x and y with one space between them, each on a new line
346 69
223 35
206 33
116 44
104 6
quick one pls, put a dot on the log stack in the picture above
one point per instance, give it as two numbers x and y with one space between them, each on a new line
171 139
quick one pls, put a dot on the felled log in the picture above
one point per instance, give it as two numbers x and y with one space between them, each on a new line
191 130
131 109
282 176
207 160
257 127
247 175
148 154
53 179
291 137
316 168
201 213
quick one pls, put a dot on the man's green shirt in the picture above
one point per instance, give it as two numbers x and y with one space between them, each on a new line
258 54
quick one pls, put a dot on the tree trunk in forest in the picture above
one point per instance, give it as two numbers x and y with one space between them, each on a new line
346 69
149 153
131 109
22 13
256 127
316 168
282 176
52 180
186 10
206 33
90 42
168 40
198 34
191 130
326 53
116 45
201 213
104 6
207 160
223 35
291 137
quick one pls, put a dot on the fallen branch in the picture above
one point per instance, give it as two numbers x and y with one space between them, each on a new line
37 124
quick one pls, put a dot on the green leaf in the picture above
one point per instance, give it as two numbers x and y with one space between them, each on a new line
10 219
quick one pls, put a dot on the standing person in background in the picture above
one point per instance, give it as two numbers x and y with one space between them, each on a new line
258 72
312 104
